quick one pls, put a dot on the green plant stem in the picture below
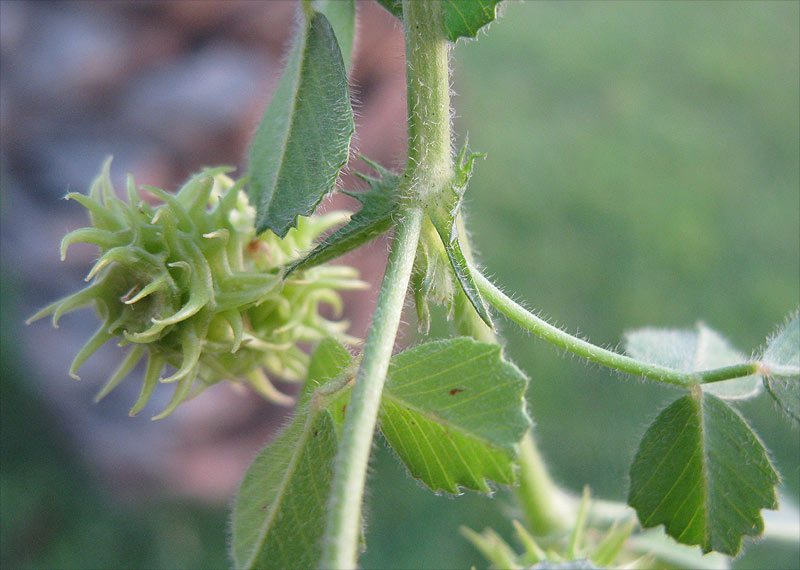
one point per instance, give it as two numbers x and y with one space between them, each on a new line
547 508
344 510
430 164
428 170
556 336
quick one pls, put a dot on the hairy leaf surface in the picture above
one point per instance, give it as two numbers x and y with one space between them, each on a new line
453 410
304 137
693 350
702 473
462 18
279 516
378 207
342 16
782 362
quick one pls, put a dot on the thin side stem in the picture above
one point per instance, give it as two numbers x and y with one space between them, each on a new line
556 336
344 510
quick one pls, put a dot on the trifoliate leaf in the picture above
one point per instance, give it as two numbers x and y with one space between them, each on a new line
279 516
378 206
453 410
462 18
781 366
443 215
304 137
342 16
693 350
702 473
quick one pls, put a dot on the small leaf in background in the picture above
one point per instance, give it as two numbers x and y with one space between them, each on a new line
303 140
453 410
443 215
279 515
702 473
378 206
781 361
693 350
342 16
462 18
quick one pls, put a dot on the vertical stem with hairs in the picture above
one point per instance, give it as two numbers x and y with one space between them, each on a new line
429 168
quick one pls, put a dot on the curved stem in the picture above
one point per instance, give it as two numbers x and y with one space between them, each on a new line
556 336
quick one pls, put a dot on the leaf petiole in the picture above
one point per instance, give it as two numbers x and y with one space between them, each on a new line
594 353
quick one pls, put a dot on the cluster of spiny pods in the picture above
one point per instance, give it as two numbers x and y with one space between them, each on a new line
188 285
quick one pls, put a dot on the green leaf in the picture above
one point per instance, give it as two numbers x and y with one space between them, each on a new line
453 410
781 366
304 137
702 473
378 206
279 515
330 358
462 18
693 350
443 215
342 16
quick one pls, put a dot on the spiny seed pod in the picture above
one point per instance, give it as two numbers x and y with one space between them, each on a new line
189 284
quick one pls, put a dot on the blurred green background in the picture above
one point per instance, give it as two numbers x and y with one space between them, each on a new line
642 170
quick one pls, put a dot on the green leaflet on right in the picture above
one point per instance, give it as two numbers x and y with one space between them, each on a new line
782 360
702 473
453 410
462 18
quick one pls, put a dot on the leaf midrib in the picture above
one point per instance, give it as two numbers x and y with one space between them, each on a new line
282 488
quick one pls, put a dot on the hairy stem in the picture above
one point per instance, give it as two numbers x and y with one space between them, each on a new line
556 336
428 170
344 511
